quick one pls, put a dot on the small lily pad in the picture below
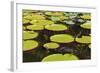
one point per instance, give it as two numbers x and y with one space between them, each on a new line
56 27
62 38
29 44
60 57
35 27
51 45
84 39
29 34
86 25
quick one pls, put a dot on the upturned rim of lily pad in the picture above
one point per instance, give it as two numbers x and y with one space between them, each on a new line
86 25
56 27
29 45
60 57
51 45
62 38
35 27
84 39
29 35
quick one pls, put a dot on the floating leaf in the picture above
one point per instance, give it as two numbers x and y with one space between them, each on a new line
62 38
51 45
29 44
29 34
35 27
86 16
86 25
56 27
25 21
84 39
54 13
60 57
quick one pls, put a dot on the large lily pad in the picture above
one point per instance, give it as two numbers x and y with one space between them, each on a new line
86 25
60 57
29 44
84 39
86 16
29 34
25 21
62 38
35 27
54 13
56 27
51 45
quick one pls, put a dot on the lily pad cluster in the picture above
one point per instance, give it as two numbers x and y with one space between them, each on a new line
56 35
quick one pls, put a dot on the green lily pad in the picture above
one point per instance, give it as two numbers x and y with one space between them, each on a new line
51 45
58 18
29 44
84 39
25 21
86 16
35 27
54 13
62 38
41 22
60 57
56 27
29 34
70 22
86 25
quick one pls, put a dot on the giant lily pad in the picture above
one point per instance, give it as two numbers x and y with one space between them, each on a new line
56 27
29 44
86 16
62 38
35 27
41 22
60 57
51 45
29 34
86 25
84 39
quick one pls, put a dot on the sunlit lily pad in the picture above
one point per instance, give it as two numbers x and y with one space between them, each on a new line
29 34
54 13
41 22
51 45
56 27
84 39
70 22
60 57
58 18
86 25
86 16
25 21
62 38
35 27
29 44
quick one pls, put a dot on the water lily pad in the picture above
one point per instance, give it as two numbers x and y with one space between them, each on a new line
54 13
60 57
35 27
51 45
29 34
41 22
70 22
86 25
84 39
25 21
58 18
30 44
86 16
62 38
56 27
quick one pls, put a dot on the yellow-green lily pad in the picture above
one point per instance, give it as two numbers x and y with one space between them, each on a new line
54 13
84 39
86 16
86 25
29 44
25 21
51 45
29 34
56 27
35 27
60 57
62 38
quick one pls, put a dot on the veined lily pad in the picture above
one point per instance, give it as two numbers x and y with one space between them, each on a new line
29 34
84 39
35 27
51 45
56 27
86 16
62 38
60 57
54 13
86 25
30 44
41 22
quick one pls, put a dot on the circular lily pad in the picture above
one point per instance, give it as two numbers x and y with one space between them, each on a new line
62 38
41 22
86 16
86 25
51 45
60 57
30 44
84 39
35 27
29 34
56 27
